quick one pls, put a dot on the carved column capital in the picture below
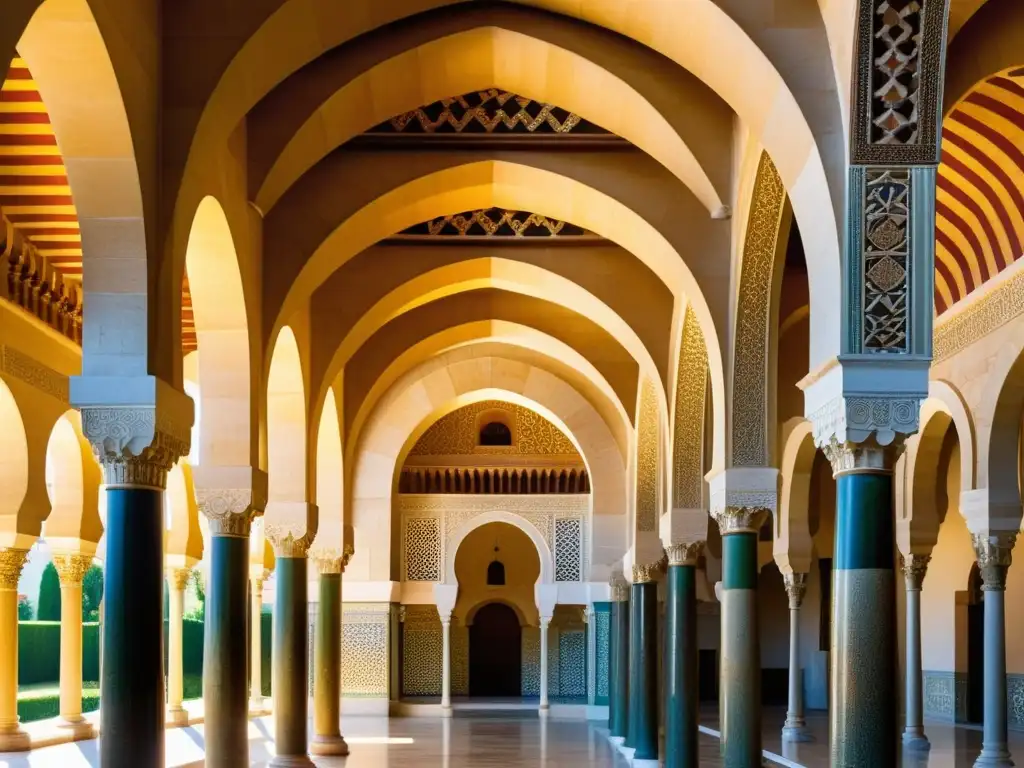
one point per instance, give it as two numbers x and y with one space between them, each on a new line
995 553
178 577
291 527
796 588
914 567
328 561
684 553
285 542
11 563
740 519
71 568
619 588
647 572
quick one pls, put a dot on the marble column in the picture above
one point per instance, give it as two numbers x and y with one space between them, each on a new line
643 665
863 686
290 655
177 580
618 690
741 650
256 579
681 656
225 676
446 663
795 727
71 570
12 737
327 738
914 568
994 553
545 625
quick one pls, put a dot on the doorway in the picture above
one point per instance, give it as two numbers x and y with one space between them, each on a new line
495 652
975 647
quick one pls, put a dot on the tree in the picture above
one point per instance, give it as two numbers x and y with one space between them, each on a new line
24 608
196 582
92 593
49 595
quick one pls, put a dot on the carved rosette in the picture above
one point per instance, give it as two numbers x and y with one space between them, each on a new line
230 511
914 567
71 568
178 578
619 589
740 519
995 553
137 445
11 563
796 588
648 572
684 553
286 543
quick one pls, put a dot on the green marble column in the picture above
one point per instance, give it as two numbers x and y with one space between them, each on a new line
290 656
618 704
643 666
863 691
327 738
225 645
681 667
741 651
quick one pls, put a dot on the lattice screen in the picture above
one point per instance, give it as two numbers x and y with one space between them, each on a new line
572 664
568 549
422 549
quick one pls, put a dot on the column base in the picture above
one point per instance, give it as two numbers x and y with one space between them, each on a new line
177 716
79 727
14 741
291 761
796 733
994 758
915 740
328 745
544 711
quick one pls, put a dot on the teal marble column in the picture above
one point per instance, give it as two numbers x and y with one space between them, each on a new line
741 651
618 692
643 665
681 663
225 644
132 678
290 657
327 739
863 691
994 556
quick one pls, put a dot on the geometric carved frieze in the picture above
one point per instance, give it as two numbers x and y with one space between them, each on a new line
492 223
753 310
688 436
647 458
980 317
26 368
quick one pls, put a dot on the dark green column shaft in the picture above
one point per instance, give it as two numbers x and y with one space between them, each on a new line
618 704
289 662
327 738
741 652
132 678
863 691
225 649
681 683
643 662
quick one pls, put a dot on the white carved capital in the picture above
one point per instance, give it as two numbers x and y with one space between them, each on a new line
290 527
742 496
230 511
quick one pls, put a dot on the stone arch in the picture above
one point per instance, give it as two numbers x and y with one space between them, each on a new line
329 477
500 58
918 521
70 61
499 183
484 601
286 423
73 480
751 435
183 541
792 541
222 331
547 560
945 397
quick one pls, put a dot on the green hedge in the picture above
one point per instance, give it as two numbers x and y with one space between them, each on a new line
47 705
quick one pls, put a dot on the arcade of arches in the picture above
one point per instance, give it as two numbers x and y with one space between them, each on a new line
643 364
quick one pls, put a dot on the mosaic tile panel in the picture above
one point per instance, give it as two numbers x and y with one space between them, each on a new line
364 650
1015 701
422 651
572 664
602 631
460 660
422 549
568 549
531 662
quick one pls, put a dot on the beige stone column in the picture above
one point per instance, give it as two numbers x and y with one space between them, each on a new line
177 580
256 701
71 570
12 737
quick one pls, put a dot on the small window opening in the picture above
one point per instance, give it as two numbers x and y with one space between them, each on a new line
495 433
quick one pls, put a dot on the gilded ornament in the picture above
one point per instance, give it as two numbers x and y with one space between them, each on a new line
979 317
796 588
11 563
684 553
647 458
457 434
745 519
178 577
647 572
329 561
688 439
493 223
71 568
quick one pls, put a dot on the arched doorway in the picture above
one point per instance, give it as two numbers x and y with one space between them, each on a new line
975 647
495 652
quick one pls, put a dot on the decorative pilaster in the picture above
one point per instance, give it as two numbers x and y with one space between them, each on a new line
643 663
446 663
137 443
994 551
914 567
681 656
795 727
545 626
740 693
12 737
177 580
229 513
327 738
618 691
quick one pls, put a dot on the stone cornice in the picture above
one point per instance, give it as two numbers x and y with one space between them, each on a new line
993 306
26 368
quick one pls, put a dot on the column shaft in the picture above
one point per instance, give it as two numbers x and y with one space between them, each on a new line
12 737
327 738
132 678
795 727
863 691
618 705
741 652
256 646
995 749
71 570
913 734
175 646
290 659
681 668
225 677
446 662
643 662
545 625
